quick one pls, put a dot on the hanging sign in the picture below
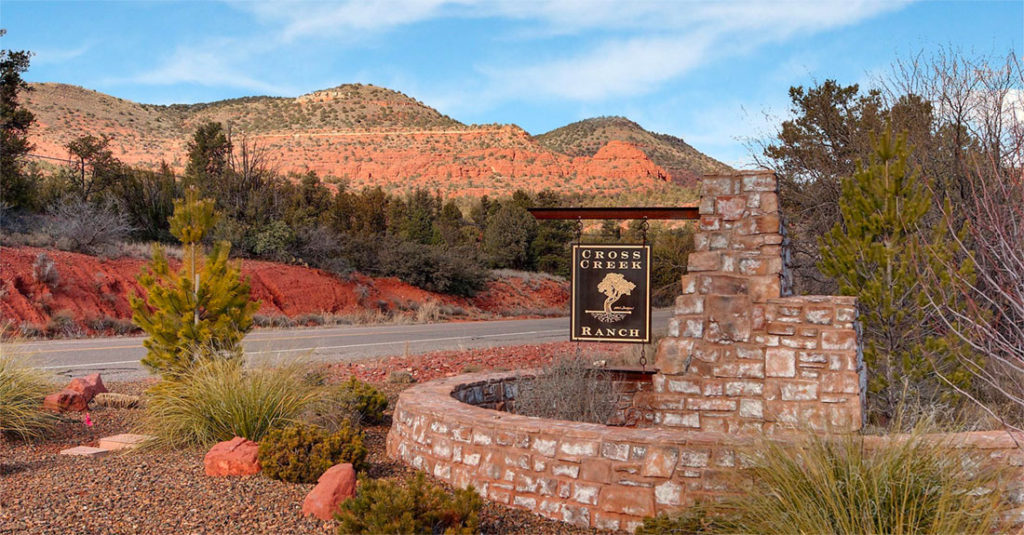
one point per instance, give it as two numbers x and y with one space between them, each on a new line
611 300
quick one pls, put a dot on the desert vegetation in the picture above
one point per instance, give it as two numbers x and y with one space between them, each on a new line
915 484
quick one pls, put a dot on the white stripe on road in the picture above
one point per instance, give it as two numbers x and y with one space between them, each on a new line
447 339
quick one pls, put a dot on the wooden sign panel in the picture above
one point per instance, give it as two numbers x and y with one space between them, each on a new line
611 299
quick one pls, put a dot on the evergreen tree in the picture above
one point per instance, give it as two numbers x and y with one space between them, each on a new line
15 186
203 310
95 168
874 253
209 157
450 224
508 237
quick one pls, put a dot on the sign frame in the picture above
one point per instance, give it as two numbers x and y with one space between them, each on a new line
576 310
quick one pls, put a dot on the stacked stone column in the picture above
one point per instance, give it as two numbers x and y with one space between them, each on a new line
739 356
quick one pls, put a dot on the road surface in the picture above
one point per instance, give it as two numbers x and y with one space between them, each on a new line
117 358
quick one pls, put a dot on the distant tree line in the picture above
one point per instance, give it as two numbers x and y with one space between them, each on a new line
94 201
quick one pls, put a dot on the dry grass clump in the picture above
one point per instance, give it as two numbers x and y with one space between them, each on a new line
914 484
220 399
568 389
22 389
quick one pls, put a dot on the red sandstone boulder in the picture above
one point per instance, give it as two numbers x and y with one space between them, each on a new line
65 400
88 386
235 457
336 485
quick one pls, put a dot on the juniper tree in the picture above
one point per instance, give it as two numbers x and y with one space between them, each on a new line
15 121
878 252
201 311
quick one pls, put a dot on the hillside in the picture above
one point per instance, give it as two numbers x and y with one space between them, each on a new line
684 163
370 135
91 295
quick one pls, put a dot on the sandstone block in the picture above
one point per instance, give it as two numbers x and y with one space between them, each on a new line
85 451
689 304
124 441
235 457
660 462
779 362
704 261
630 501
730 207
65 400
335 486
88 386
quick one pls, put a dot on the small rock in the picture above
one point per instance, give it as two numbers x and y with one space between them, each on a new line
400 377
336 485
65 400
88 386
235 457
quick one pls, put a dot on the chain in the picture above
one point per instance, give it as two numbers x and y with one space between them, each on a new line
579 241
644 227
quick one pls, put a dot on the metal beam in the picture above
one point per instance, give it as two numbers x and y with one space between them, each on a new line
640 212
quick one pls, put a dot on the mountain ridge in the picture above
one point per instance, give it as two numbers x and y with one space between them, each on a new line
370 135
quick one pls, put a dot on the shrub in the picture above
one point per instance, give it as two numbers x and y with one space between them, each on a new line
218 399
61 323
88 227
568 389
386 507
352 402
45 271
22 389
301 453
836 485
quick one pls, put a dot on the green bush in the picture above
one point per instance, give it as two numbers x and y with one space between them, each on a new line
386 507
352 402
835 485
301 453
22 389
216 400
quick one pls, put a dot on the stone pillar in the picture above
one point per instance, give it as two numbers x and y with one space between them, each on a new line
740 356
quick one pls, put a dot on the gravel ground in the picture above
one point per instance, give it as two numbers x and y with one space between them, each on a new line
167 492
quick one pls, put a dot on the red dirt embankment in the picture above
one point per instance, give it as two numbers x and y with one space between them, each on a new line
89 289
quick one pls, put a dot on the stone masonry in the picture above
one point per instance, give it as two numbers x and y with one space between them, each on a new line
742 356
742 359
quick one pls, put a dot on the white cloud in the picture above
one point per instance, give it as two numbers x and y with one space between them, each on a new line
688 35
47 56
219 63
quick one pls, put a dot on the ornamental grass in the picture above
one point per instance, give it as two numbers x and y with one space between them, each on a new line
22 389
220 398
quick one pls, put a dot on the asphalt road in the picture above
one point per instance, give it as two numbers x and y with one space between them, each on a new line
117 358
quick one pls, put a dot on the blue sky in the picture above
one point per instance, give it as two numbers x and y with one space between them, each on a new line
713 73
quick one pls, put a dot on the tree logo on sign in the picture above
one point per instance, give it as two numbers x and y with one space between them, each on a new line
614 285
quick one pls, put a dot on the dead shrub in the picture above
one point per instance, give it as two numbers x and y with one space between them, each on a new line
87 227
568 389
44 271
62 323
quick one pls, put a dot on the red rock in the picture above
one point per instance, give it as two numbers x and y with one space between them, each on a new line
65 400
88 386
336 485
235 457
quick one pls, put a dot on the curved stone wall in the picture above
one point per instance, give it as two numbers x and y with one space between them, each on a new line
586 474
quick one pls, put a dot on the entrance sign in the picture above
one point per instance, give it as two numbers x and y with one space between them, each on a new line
611 299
